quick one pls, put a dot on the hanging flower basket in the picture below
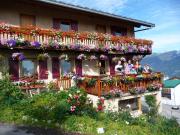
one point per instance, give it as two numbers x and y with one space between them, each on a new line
123 59
115 59
18 56
103 57
64 57
43 56
2 57
93 57
81 57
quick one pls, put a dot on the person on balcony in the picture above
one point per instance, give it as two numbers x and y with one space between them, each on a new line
119 68
138 68
147 69
126 68
130 64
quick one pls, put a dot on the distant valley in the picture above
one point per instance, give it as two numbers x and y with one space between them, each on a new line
168 62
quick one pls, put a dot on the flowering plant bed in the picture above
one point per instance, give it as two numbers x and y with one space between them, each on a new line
113 93
85 41
154 87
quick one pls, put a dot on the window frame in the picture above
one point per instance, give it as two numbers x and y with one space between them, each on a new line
71 68
35 67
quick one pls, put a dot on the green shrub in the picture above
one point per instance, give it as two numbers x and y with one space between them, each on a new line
9 93
153 108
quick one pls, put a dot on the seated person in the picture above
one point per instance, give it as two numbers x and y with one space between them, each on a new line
126 68
133 70
119 67
147 69
130 64
140 69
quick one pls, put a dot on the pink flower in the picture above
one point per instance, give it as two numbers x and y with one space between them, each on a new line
73 108
76 96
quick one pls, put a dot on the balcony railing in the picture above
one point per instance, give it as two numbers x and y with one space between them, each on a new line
36 38
102 85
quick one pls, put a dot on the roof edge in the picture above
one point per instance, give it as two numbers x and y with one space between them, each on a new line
84 9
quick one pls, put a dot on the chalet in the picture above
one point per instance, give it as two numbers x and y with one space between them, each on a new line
171 92
43 41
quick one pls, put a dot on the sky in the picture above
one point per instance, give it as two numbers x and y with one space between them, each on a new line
165 14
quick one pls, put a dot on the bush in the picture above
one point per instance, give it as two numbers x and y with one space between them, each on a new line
153 108
9 93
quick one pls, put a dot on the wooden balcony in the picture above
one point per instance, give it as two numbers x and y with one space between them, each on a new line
37 38
104 84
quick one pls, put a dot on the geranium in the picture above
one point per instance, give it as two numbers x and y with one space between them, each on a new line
103 57
100 104
84 41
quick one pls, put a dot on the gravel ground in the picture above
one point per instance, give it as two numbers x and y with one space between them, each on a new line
6 129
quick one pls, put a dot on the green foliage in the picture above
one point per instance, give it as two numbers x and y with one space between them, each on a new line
91 82
52 86
9 93
150 100
49 109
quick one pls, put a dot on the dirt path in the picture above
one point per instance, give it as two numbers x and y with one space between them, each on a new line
6 129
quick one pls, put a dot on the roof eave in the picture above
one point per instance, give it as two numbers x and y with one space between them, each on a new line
138 22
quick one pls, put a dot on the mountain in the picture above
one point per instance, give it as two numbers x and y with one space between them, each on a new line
168 62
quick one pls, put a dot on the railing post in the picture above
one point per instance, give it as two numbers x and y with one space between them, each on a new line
99 87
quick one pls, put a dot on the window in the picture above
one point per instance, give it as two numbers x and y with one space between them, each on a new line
28 68
118 31
65 26
129 103
27 20
166 93
101 28
66 67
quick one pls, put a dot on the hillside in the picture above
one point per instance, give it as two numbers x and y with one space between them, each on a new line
168 62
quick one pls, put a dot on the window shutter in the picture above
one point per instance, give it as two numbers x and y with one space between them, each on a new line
56 23
55 67
74 25
14 69
43 69
112 67
78 67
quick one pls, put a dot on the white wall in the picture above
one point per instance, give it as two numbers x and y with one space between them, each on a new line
176 95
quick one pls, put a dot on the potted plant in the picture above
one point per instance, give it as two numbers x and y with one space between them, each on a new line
91 82
42 56
18 56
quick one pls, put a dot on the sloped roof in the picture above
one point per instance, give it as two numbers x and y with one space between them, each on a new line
97 12
171 83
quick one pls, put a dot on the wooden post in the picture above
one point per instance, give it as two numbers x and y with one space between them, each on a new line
99 87
139 104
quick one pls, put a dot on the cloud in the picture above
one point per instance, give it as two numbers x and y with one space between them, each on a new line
111 6
165 42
